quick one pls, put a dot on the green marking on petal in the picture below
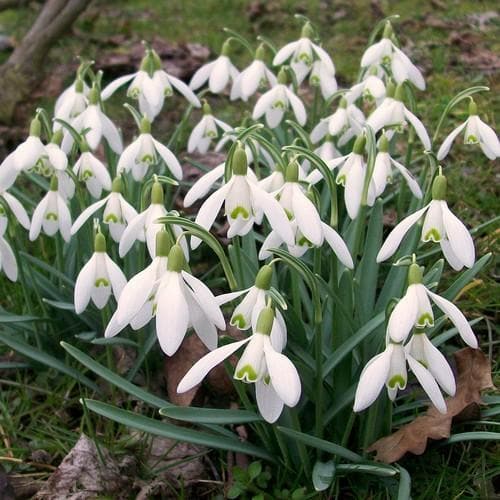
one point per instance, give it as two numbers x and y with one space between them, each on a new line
111 218
305 58
101 282
148 159
341 179
51 216
288 214
211 133
396 381
386 60
267 380
279 104
134 92
425 319
87 174
246 374
239 211
168 92
432 235
304 242
239 321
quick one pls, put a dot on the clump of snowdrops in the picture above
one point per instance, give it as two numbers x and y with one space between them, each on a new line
337 316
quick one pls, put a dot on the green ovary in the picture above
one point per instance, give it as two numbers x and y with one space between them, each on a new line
246 374
433 234
239 211
396 380
101 282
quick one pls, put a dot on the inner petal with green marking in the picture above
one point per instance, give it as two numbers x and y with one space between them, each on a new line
396 381
101 282
432 235
246 374
51 216
239 321
239 211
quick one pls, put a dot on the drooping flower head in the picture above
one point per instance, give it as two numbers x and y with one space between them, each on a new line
89 169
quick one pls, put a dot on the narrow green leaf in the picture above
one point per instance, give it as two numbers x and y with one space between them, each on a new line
209 415
404 489
46 359
320 444
473 436
376 470
171 431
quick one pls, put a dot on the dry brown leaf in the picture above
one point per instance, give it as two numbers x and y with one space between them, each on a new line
473 376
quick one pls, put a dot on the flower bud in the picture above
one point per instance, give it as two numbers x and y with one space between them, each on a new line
35 127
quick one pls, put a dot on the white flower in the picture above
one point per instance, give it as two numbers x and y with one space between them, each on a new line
182 301
52 214
476 132
138 300
218 73
8 262
150 85
146 151
117 212
393 113
93 172
274 181
275 102
440 226
72 102
18 211
277 382
205 131
256 76
303 53
323 77
389 369
28 155
346 122
382 170
385 52
144 226
372 88
414 310
352 176
326 151
97 124
245 204
99 278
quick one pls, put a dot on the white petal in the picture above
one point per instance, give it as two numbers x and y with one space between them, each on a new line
111 134
445 147
169 158
129 155
338 245
457 318
450 256
219 76
433 228
8 260
371 380
17 209
403 317
82 218
459 237
134 231
285 52
201 368
64 218
196 135
202 325
392 242
284 376
116 276
228 297
374 53
419 129
38 216
307 216
111 88
264 103
489 138
269 403
172 314
428 383
410 180
184 90
439 367
84 285
354 188
297 106
201 75
202 186
206 300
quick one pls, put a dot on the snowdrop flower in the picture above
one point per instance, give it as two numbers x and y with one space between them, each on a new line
117 212
385 52
276 380
51 214
382 171
476 132
183 301
307 226
98 125
99 278
93 172
71 103
414 310
218 73
205 131
144 152
8 262
326 151
346 122
274 181
18 211
352 176
389 369
372 88
303 53
275 102
393 113
440 226
150 85
145 226
252 146
256 76
245 204
29 153
138 300
323 77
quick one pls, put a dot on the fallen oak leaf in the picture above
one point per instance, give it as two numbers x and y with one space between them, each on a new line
474 376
